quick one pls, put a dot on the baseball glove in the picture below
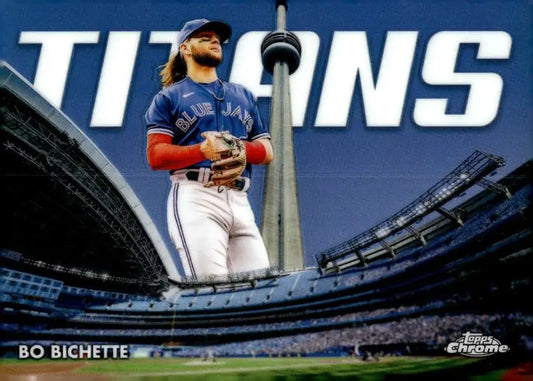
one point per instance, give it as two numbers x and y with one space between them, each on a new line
228 156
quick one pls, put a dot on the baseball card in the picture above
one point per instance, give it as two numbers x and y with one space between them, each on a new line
269 189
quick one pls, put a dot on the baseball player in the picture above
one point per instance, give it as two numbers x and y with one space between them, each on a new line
207 132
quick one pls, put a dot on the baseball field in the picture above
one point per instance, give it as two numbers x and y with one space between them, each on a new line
260 369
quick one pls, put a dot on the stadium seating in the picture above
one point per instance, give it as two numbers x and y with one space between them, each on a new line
421 282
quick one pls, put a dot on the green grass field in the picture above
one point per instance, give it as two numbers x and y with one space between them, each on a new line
276 369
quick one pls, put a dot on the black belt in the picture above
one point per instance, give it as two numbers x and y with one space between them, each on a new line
238 184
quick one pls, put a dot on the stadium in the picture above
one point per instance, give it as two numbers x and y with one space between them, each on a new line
82 263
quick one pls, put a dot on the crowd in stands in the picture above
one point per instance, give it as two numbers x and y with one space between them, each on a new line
430 330
355 317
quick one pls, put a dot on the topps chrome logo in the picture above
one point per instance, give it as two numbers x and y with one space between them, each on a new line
476 345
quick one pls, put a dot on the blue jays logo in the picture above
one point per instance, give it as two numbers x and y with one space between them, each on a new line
202 109
245 119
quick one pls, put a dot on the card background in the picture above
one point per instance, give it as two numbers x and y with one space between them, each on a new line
349 178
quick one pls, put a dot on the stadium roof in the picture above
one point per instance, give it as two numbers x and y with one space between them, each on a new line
471 171
52 171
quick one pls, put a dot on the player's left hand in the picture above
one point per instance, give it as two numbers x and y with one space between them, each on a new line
228 155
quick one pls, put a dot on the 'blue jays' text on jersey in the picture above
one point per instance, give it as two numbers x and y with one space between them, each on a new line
186 109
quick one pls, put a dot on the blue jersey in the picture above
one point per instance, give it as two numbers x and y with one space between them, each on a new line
186 109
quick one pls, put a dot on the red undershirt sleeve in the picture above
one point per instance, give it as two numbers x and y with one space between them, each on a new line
162 154
255 152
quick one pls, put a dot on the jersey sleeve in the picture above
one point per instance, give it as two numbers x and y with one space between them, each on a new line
158 117
259 130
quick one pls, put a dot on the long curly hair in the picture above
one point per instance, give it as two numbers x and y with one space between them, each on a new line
174 70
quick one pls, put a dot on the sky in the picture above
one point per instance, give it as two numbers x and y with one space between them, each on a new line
351 173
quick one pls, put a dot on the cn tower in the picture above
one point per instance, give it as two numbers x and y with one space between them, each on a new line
280 220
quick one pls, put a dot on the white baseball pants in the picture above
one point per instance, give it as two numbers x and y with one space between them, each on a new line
213 229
